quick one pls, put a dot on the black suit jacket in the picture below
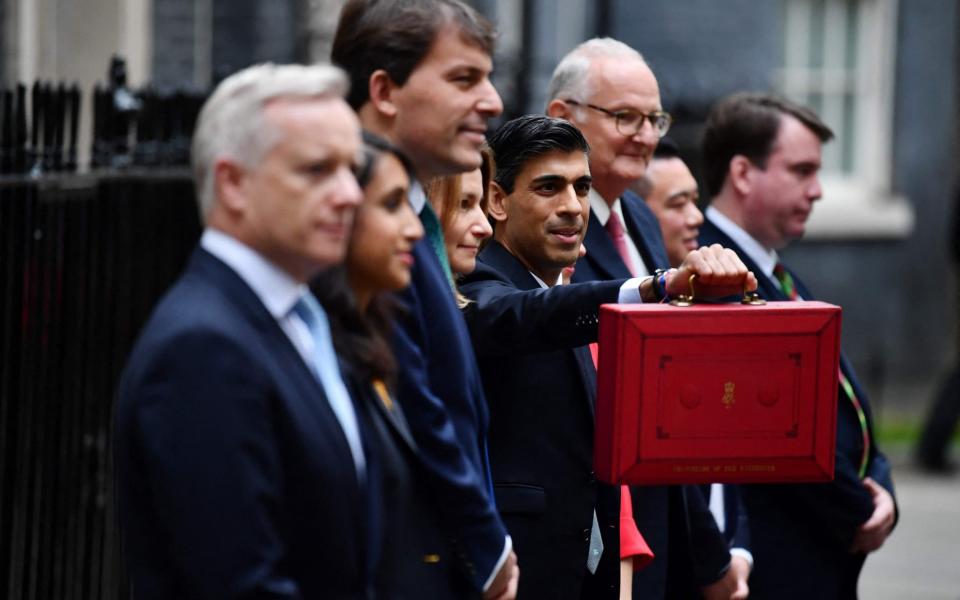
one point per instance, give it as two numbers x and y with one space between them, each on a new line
414 560
653 505
235 479
699 551
441 393
541 385
800 533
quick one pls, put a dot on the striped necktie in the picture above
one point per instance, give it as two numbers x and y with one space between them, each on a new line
789 288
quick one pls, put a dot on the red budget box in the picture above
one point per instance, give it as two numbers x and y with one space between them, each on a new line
724 393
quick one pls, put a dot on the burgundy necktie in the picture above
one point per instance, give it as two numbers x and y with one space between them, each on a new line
614 228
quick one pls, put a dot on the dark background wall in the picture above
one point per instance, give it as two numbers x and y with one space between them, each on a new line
898 294
173 42
3 45
238 33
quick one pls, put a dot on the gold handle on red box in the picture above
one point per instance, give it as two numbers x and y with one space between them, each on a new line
685 299
750 298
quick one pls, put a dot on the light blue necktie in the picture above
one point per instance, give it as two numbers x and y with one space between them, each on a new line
327 370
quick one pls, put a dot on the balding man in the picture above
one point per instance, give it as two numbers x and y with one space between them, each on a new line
608 91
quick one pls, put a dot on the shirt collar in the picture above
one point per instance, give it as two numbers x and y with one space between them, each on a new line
273 286
765 258
600 208
542 283
417 197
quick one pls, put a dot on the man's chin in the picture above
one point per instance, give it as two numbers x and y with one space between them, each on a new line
462 159
629 168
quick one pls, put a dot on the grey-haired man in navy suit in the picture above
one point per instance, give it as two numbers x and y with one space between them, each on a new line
243 466
608 91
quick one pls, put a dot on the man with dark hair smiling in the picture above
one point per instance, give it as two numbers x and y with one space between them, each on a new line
530 337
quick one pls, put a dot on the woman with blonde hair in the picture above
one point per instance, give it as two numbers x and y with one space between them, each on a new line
461 203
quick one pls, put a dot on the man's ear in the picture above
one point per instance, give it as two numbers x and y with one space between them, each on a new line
382 89
558 109
229 180
497 206
739 174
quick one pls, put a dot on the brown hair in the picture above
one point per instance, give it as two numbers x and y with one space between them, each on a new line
444 195
445 192
395 35
747 124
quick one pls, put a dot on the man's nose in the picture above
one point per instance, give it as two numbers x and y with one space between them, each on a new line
694 216
348 192
647 135
570 202
490 103
815 192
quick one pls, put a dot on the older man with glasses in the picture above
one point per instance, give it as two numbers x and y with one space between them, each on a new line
608 91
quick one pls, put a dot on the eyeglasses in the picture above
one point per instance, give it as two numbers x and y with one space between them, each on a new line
629 122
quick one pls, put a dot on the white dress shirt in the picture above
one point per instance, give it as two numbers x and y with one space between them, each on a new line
765 258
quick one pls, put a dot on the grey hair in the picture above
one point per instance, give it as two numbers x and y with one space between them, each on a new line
570 76
231 121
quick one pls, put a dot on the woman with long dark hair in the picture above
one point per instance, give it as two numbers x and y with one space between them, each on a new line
413 561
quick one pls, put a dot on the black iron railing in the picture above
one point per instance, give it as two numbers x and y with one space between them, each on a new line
83 259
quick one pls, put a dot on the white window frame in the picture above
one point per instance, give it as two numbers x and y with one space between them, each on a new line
860 203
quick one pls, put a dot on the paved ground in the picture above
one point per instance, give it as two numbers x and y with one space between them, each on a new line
921 560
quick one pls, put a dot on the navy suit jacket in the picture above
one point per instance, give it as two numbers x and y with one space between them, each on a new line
652 505
800 533
541 385
442 397
699 551
235 479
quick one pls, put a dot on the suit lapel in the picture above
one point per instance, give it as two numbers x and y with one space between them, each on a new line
768 289
645 231
388 408
588 373
298 374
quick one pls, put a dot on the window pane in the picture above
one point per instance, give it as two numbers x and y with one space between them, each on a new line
853 23
847 136
816 33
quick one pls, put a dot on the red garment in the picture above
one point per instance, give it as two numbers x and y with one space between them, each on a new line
631 541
